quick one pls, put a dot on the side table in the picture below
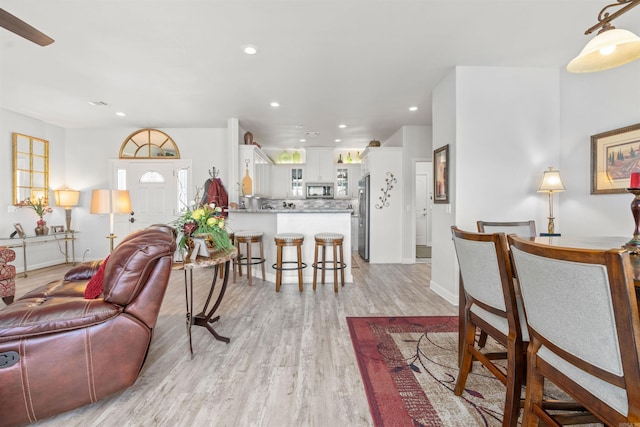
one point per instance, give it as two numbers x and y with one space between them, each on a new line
206 316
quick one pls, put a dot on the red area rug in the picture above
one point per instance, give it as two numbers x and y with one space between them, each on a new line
409 368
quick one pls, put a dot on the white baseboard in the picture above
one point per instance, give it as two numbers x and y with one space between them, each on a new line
444 293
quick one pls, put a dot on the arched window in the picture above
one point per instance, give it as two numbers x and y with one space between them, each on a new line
151 176
149 144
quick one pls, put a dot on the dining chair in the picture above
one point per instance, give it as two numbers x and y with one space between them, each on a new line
519 228
491 306
582 316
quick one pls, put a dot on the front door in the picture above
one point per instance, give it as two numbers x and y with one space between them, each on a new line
157 188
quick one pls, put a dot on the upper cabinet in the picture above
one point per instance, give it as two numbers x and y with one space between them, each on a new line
255 171
319 165
346 179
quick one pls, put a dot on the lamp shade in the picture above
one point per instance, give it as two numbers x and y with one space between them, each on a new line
66 198
110 201
551 181
609 49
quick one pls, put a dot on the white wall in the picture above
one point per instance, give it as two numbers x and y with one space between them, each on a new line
502 127
416 143
591 104
88 167
40 255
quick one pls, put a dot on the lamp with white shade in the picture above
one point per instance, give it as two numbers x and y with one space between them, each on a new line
67 199
551 183
612 47
110 202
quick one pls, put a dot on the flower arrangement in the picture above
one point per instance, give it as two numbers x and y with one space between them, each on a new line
39 207
204 219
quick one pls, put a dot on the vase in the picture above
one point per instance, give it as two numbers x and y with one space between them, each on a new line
41 228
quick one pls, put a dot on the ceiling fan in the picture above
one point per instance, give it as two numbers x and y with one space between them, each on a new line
21 28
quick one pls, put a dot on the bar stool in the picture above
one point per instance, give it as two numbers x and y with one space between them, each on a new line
248 238
322 241
288 239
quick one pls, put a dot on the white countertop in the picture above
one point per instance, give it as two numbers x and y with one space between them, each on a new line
295 210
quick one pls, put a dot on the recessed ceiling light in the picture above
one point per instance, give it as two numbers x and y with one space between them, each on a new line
249 49
414 108
97 103
303 140
275 104
299 126
342 126
337 140
121 114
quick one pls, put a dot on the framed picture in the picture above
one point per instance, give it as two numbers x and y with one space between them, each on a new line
19 230
441 174
57 228
614 155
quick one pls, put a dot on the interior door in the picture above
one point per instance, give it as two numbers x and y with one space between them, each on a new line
153 188
423 196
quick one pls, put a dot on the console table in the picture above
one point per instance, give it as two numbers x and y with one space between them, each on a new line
205 317
22 242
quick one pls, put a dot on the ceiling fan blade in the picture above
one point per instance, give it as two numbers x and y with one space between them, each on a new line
21 28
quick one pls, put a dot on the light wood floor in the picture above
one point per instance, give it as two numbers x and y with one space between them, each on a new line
290 361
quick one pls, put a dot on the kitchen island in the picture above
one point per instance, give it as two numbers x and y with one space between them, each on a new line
307 222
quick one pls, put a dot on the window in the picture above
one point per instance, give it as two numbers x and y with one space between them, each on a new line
149 144
30 169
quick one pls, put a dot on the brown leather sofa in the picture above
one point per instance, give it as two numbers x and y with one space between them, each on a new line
59 351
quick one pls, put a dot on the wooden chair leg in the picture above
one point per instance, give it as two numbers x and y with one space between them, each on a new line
324 260
315 267
262 258
299 250
249 272
467 357
335 268
515 360
279 266
341 265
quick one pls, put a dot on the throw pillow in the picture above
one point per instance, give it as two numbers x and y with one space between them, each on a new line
95 285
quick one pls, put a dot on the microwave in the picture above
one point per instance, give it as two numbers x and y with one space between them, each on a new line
319 190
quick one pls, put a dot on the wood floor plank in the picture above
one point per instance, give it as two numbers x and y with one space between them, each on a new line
290 361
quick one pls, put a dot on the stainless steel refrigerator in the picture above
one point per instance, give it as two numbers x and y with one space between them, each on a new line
363 220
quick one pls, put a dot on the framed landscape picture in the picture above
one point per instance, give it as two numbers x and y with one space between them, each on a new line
441 174
614 155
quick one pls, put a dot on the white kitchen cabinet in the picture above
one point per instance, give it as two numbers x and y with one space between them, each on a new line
346 179
319 165
287 182
257 165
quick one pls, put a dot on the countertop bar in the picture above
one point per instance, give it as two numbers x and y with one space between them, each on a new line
291 211
274 221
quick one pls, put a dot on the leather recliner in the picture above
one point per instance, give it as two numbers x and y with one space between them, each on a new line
60 351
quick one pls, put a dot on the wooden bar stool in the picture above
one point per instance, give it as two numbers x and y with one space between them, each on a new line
248 238
335 241
288 239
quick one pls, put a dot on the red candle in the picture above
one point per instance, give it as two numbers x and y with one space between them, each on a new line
635 180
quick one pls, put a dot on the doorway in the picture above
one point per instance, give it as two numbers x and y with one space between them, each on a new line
423 208
157 188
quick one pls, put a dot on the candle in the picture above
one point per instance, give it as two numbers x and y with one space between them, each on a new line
635 180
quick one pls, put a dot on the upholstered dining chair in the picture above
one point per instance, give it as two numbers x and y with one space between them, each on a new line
582 315
519 228
492 307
